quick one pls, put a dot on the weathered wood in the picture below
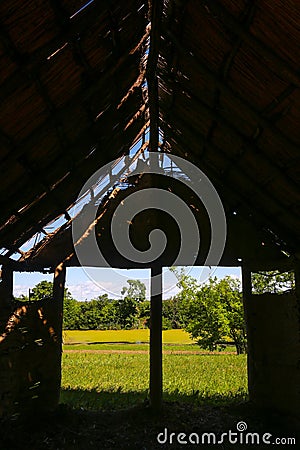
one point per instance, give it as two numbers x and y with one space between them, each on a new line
6 287
227 91
281 66
233 194
273 370
247 290
55 319
156 340
151 73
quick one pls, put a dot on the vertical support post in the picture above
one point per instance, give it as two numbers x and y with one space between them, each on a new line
156 340
58 299
7 277
247 292
297 281
9 369
247 287
297 293
56 313
6 295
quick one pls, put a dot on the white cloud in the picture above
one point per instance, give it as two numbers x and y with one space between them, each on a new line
20 289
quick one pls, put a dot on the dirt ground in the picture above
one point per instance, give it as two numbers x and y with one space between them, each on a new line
138 428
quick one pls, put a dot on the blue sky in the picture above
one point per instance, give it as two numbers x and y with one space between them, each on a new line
89 283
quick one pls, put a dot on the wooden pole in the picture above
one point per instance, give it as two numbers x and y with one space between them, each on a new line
156 340
6 296
58 298
56 318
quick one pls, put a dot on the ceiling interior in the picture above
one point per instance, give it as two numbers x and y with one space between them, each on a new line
215 81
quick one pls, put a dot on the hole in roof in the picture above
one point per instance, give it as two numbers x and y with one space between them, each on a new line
96 194
56 223
57 51
15 256
85 5
141 7
32 242
126 17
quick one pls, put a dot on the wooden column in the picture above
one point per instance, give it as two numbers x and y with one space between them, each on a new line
247 292
58 302
8 367
156 340
55 317
7 277
58 298
6 295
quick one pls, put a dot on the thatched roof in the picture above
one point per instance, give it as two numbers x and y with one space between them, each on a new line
223 88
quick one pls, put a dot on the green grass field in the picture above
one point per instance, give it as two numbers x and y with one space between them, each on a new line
112 380
126 336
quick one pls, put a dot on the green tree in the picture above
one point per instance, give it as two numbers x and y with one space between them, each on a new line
135 290
71 310
272 281
144 314
216 314
71 313
213 312
188 292
172 313
128 307
43 290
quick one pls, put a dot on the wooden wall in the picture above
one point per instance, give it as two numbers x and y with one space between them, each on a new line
274 351
30 357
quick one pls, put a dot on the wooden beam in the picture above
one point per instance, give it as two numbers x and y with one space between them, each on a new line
78 26
227 91
156 340
255 187
280 65
151 73
71 183
234 198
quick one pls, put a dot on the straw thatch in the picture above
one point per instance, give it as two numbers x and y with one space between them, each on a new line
223 87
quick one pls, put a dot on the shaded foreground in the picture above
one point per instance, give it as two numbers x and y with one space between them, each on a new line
136 428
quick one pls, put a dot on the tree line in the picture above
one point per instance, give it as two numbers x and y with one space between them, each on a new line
211 312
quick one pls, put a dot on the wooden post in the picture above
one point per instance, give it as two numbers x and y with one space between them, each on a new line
247 292
6 295
7 277
9 369
58 298
55 315
156 340
247 287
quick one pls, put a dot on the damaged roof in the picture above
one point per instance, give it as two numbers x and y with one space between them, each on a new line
218 80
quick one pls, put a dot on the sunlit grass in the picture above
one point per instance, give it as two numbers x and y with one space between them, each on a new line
126 336
93 380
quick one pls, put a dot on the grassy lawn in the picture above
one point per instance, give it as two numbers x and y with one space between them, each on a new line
113 381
